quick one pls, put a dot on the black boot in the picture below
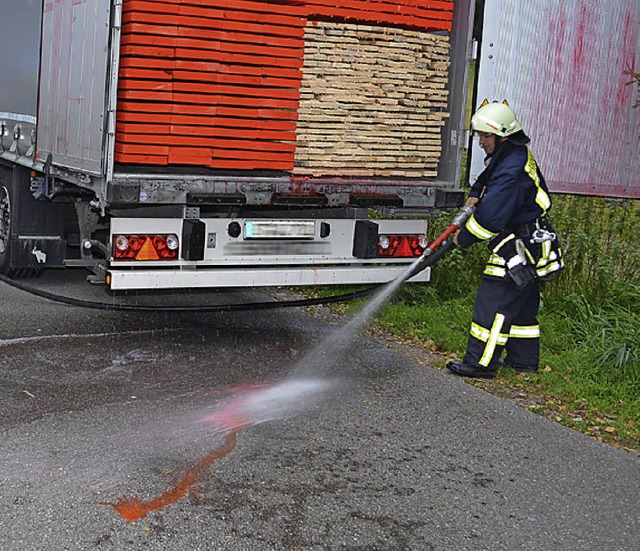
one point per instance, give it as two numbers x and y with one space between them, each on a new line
467 370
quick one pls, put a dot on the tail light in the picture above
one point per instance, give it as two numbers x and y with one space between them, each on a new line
145 247
401 246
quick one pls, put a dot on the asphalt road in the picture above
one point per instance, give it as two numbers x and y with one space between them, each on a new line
272 430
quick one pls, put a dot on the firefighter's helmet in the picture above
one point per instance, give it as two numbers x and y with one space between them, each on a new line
495 118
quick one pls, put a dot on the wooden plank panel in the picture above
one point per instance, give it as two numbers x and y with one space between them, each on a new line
373 101
224 81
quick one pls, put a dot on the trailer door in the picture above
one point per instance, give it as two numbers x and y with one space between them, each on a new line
561 66
73 83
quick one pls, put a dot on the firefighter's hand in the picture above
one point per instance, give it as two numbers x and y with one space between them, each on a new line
455 238
471 202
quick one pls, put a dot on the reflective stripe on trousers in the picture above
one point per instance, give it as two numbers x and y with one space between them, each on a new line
504 317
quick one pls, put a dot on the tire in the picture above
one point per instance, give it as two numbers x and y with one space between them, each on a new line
5 230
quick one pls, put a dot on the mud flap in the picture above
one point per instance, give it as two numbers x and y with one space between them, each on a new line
37 253
33 230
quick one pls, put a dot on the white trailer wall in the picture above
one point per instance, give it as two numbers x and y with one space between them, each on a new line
560 64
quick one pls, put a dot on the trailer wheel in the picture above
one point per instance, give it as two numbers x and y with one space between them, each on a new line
5 230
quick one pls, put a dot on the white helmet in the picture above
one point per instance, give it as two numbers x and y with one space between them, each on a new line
496 118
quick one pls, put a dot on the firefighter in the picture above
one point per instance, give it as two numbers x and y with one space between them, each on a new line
511 202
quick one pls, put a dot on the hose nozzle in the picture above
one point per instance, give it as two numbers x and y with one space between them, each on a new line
463 215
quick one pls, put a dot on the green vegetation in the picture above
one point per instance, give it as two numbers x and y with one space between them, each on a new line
590 320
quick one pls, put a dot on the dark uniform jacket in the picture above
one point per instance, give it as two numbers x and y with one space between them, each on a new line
512 191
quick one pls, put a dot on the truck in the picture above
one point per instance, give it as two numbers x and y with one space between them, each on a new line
166 144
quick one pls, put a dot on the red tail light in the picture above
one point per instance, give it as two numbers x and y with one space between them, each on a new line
401 246
145 247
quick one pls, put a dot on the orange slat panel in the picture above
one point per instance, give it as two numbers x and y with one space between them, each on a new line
203 120
212 45
227 14
209 67
141 159
186 54
168 53
154 74
297 8
145 140
233 15
435 9
382 18
135 149
209 111
211 34
206 131
206 99
221 25
250 165
193 156
262 80
213 88
260 60
150 6
253 154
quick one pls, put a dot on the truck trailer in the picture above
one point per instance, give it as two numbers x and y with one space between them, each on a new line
206 143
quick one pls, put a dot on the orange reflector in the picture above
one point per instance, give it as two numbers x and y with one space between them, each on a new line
404 249
148 251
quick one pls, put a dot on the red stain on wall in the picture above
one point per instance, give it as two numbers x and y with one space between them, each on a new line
577 90
134 509
578 54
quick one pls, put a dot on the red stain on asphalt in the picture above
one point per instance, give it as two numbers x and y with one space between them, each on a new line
133 508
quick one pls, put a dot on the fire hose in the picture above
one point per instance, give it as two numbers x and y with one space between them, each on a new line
434 251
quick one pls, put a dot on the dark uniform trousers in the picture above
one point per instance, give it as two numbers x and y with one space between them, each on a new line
504 318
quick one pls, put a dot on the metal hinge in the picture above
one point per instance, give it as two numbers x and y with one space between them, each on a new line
474 49
117 14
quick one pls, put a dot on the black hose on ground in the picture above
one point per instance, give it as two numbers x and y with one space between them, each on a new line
238 307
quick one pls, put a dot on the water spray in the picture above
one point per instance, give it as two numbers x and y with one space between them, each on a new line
305 386
306 382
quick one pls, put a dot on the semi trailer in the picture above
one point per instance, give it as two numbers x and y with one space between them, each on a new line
204 143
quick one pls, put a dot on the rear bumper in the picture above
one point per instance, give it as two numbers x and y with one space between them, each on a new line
120 280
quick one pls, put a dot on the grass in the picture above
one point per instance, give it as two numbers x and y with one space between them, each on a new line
589 378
